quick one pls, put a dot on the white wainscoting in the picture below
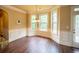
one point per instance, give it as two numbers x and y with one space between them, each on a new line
64 38
56 38
16 34
31 32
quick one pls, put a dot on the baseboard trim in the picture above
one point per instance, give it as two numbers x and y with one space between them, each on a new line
43 37
34 36
17 39
46 38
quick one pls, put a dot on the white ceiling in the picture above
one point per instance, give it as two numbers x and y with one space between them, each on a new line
35 8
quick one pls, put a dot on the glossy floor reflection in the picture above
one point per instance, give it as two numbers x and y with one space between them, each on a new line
41 45
37 44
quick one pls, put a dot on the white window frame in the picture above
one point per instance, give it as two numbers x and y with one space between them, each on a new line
31 22
40 22
52 23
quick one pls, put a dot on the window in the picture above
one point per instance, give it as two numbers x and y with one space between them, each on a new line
33 24
77 28
43 22
54 22
76 9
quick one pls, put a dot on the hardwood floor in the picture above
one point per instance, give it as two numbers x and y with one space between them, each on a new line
37 44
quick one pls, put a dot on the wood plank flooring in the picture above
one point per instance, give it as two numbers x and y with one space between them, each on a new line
37 44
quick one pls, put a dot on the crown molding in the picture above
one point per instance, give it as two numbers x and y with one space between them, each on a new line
26 12
14 8
55 7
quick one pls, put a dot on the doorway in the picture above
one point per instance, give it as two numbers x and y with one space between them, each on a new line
75 28
3 23
3 29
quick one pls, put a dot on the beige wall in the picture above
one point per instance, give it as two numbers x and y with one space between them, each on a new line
16 30
65 18
14 17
